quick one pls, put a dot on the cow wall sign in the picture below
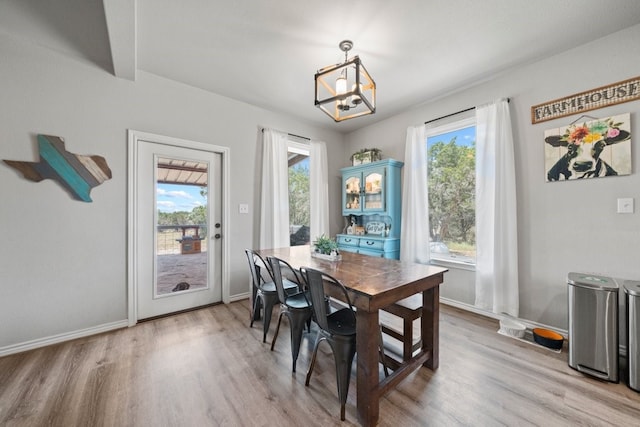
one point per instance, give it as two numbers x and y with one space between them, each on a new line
589 149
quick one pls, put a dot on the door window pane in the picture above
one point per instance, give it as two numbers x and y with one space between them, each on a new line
181 229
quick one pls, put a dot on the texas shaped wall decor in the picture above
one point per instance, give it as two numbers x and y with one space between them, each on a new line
77 174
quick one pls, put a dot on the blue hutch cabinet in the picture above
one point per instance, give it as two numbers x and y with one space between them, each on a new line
372 209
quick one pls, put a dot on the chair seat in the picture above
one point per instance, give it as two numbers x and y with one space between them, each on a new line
299 301
289 286
342 322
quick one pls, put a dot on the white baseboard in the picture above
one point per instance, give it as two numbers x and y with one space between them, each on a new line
238 297
528 323
67 336
622 349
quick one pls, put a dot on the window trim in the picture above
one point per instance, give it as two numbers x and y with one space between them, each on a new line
452 264
450 127
298 147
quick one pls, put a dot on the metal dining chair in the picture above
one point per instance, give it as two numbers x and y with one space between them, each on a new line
296 307
337 328
265 293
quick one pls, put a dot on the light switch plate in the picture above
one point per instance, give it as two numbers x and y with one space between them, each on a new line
625 205
243 208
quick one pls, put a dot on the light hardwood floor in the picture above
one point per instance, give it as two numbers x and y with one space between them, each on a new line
207 368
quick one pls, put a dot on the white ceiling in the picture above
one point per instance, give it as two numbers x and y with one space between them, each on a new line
266 52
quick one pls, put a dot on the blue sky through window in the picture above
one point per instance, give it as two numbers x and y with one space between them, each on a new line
464 136
304 164
179 198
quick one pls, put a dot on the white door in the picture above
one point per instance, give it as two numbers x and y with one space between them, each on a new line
177 256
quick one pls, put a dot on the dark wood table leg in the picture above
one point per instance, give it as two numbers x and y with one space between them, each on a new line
430 325
368 395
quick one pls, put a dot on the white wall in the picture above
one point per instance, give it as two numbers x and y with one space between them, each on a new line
63 262
562 226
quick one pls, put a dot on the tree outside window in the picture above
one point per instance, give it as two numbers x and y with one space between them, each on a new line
299 199
451 182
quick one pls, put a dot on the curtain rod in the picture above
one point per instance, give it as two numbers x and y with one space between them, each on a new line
292 134
298 136
449 115
453 114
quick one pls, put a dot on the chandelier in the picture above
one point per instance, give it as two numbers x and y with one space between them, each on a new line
346 90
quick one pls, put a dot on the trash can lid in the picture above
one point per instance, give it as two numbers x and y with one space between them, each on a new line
592 281
632 287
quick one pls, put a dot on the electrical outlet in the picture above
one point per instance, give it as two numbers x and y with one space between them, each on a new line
243 208
625 205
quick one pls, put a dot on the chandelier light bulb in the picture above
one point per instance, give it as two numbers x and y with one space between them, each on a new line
341 88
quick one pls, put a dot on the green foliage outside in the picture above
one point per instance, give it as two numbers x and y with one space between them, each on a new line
198 216
452 194
299 196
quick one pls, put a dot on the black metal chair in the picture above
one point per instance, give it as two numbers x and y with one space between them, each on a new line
296 307
264 291
337 328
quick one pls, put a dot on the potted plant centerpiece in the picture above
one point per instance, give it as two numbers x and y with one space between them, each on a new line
326 248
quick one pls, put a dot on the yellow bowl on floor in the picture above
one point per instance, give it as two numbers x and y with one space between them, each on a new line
548 338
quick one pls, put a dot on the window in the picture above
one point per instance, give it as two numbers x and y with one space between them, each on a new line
299 202
451 155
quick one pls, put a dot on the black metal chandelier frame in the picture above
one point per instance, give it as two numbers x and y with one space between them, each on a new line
347 104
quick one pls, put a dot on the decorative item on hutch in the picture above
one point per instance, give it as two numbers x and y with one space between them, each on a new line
372 209
366 155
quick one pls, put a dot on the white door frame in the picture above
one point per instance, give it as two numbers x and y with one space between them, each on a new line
132 185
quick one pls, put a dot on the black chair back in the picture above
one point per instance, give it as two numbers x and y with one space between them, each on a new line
256 265
316 281
274 264
255 274
316 289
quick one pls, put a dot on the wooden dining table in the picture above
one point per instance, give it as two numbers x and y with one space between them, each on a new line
374 283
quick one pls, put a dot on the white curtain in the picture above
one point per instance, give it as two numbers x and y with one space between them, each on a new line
496 226
319 190
414 234
274 197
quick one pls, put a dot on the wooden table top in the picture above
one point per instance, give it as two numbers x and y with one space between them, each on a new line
374 282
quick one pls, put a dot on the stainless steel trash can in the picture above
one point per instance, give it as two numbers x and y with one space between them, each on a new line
632 297
593 325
